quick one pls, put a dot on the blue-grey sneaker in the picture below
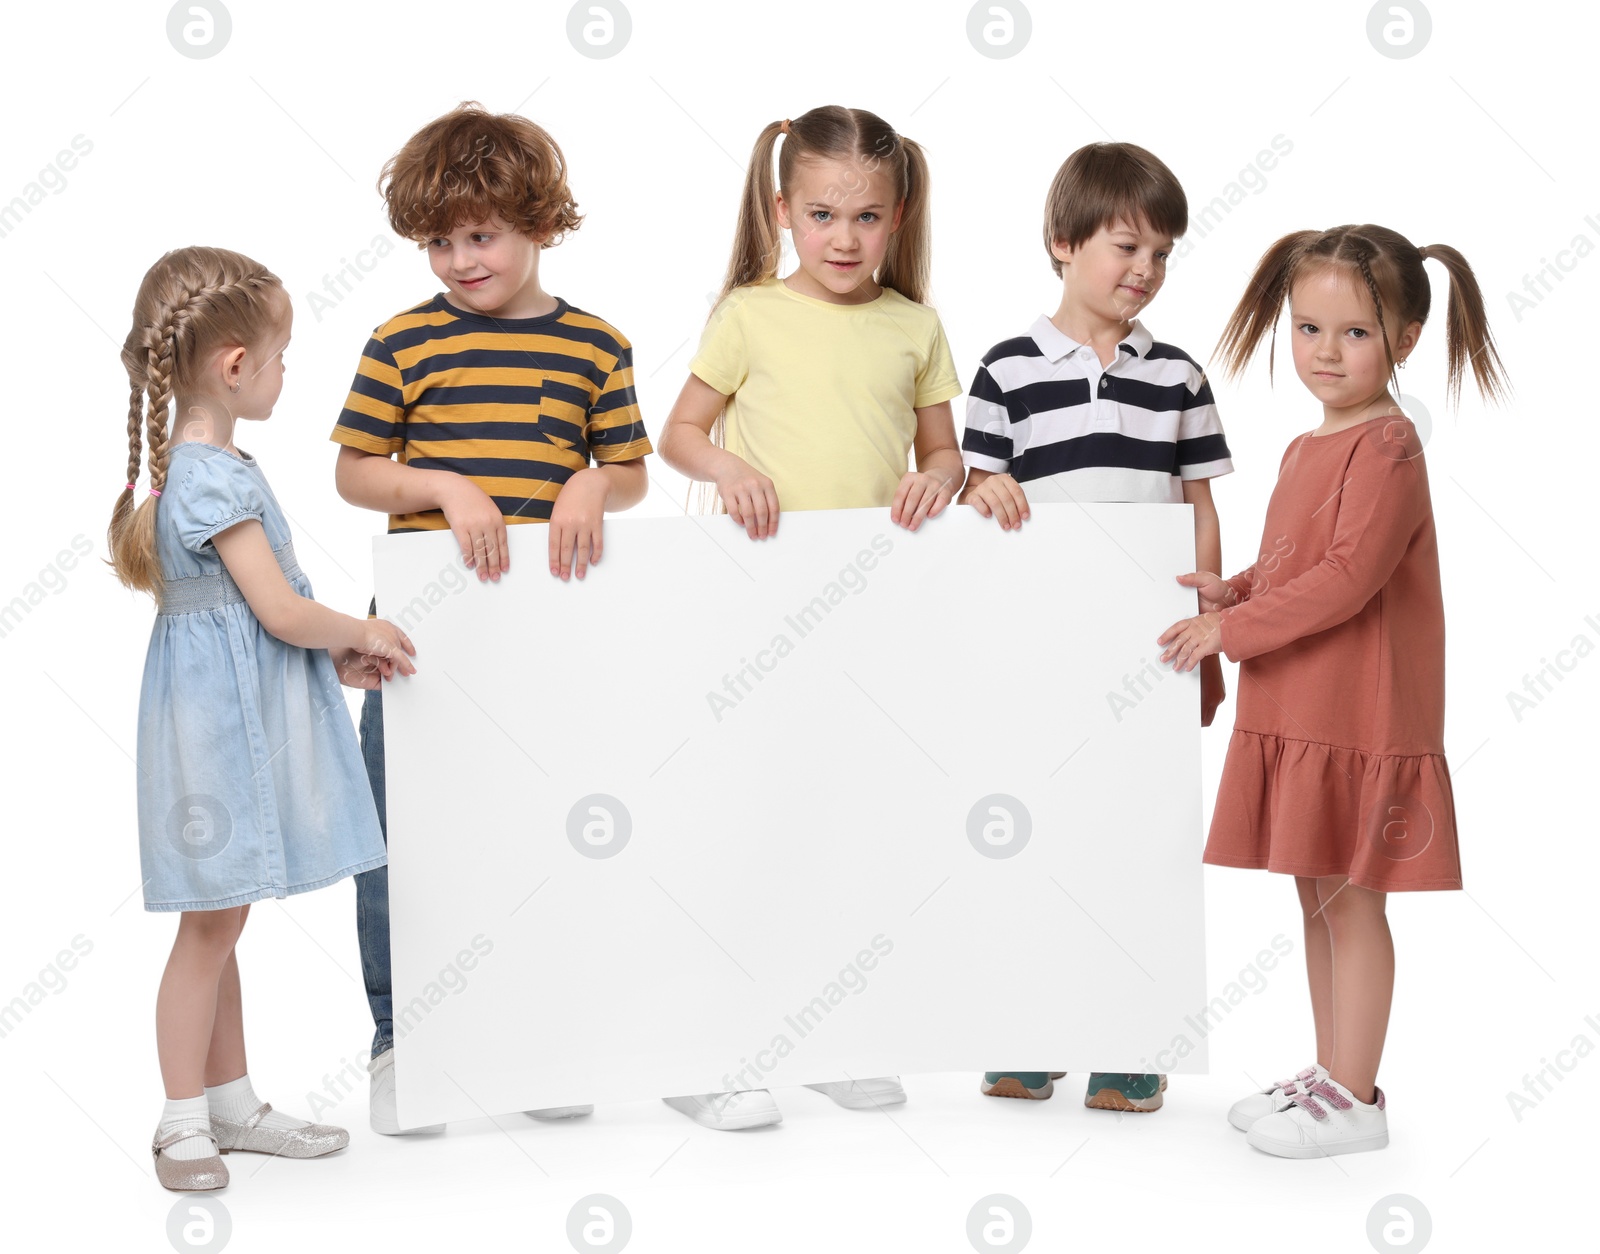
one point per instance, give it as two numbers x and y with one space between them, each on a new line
1031 1084
1109 1090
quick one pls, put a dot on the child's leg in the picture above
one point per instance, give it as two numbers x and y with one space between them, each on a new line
225 1059
372 887
1363 981
1319 966
186 1004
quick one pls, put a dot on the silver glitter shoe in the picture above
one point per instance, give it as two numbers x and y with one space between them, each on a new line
311 1141
192 1175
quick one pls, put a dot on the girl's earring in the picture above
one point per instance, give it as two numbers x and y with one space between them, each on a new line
235 387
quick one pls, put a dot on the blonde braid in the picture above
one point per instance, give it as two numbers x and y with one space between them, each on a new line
191 301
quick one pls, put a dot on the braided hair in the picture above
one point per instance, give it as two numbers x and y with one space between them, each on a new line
191 303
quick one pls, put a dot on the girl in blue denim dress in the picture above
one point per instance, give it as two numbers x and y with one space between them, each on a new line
250 780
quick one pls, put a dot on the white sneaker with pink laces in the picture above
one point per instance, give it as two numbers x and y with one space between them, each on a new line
1321 1120
1270 1101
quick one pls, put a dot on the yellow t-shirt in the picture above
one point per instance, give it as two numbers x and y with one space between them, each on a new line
820 396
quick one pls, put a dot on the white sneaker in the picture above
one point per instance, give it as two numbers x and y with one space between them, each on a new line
1321 1120
560 1112
380 1099
729 1112
863 1094
1270 1101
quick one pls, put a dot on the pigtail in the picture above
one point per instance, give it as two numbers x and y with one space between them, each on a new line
908 262
1468 338
757 242
1256 315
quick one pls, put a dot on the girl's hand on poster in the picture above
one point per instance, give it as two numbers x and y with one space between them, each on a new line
1190 639
921 494
1216 593
750 498
386 644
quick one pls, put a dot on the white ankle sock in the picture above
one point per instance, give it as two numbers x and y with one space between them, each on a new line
236 1101
187 1112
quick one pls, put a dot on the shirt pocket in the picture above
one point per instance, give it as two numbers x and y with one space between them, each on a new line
563 415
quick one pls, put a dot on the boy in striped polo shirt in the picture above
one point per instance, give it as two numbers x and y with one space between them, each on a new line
1088 406
494 395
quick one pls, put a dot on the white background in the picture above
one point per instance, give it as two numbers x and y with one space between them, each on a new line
1483 140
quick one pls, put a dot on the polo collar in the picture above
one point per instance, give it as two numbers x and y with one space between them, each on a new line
1056 344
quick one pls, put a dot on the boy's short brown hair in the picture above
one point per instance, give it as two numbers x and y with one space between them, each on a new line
1101 183
472 165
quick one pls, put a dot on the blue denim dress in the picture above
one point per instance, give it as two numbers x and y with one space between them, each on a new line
251 783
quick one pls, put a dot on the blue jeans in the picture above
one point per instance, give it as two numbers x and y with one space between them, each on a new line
372 887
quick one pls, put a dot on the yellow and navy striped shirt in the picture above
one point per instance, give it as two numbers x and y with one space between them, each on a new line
517 405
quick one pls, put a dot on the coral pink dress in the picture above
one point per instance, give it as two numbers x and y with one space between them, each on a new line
1336 765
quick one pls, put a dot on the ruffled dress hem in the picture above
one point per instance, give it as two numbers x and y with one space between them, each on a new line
1300 807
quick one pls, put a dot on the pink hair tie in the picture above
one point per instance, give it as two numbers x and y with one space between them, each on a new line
129 488
155 491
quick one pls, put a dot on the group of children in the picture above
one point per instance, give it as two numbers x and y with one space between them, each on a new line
493 404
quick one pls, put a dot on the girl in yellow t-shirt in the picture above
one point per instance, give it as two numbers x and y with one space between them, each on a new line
824 380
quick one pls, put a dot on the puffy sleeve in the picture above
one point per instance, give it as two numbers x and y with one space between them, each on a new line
1383 503
723 361
215 493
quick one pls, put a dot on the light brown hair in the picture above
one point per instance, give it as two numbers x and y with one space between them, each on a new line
1102 183
192 303
865 142
1389 267
472 165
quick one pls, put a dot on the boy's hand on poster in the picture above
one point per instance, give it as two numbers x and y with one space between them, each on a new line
1001 497
751 499
1213 689
575 523
921 494
479 528
1191 639
1216 593
388 646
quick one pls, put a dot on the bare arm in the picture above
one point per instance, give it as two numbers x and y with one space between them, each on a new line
936 448
375 481
925 492
295 619
1208 556
627 483
685 445
975 478
1207 528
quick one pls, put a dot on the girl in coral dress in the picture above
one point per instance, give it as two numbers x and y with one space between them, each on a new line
1336 771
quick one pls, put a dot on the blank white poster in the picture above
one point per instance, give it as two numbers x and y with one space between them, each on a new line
851 801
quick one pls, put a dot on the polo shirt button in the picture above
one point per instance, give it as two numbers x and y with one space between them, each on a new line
1105 382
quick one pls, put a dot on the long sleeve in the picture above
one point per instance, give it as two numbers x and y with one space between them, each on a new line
1381 504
